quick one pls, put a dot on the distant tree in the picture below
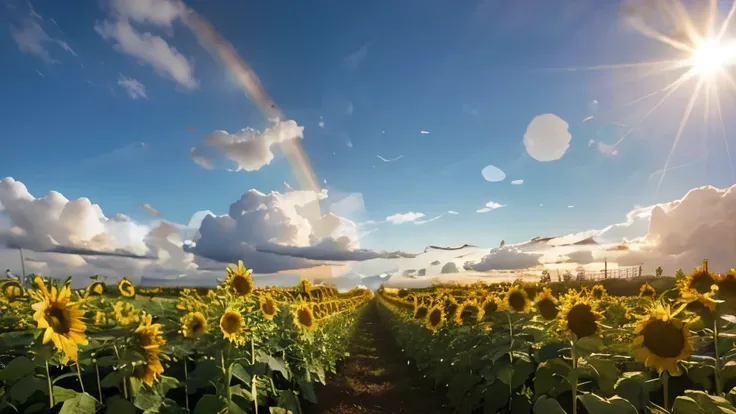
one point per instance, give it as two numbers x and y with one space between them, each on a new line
580 275
503 243
679 274
567 276
659 271
546 278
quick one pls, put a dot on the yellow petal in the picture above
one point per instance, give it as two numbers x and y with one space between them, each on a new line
47 334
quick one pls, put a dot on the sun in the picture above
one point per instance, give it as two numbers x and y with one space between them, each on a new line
712 56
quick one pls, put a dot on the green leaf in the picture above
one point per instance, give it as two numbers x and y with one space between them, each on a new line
607 375
240 373
204 372
460 384
276 364
147 399
63 394
165 383
701 375
289 400
495 397
729 318
22 390
710 403
549 375
686 405
523 369
65 376
634 389
600 405
506 374
546 405
17 368
112 379
306 390
208 404
118 405
278 410
82 403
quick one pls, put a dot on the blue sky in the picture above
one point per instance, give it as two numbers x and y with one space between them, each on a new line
471 73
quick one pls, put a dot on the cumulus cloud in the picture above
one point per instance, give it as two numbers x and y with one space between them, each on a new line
155 12
505 258
32 39
249 149
491 205
400 218
449 267
547 137
150 49
133 88
517 182
275 232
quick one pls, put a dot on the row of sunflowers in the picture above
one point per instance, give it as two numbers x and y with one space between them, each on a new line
519 348
233 349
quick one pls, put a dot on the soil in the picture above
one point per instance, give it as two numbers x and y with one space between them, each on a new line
376 378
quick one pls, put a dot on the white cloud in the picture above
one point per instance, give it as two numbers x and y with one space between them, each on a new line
435 218
152 211
491 205
424 132
331 249
32 39
493 174
517 182
155 12
151 49
449 267
321 124
132 87
288 187
505 258
249 149
404 218
547 137
570 206
389 159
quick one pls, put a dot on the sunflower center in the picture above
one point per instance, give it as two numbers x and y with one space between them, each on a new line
701 282
727 288
420 313
231 323
663 339
435 317
517 301
241 284
268 308
469 314
58 319
548 309
490 307
581 321
196 326
305 317
146 338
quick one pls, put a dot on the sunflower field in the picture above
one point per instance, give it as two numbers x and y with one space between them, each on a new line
127 349
519 348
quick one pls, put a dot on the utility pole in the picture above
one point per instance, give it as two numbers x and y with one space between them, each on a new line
22 267
605 268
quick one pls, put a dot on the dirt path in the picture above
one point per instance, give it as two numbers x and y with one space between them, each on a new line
376 378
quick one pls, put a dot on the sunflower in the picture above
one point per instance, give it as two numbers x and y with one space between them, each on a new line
647 291
126 288
664 340
700 280
239 279
707 300
420 312
100 318
125 313
516 300
12 290
598 291
579 315
490 305
268 306
60 319
727 289
547 304
304 317
97 288
150 338
435 318
468 313
232 326
193 324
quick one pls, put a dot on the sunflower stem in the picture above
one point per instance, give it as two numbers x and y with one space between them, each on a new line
186 387
666 389
574 356
511 354
125 378
252 351
79 375
99 384
227 372
717 362
51 388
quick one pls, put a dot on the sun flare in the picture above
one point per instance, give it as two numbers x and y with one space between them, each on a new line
711 56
